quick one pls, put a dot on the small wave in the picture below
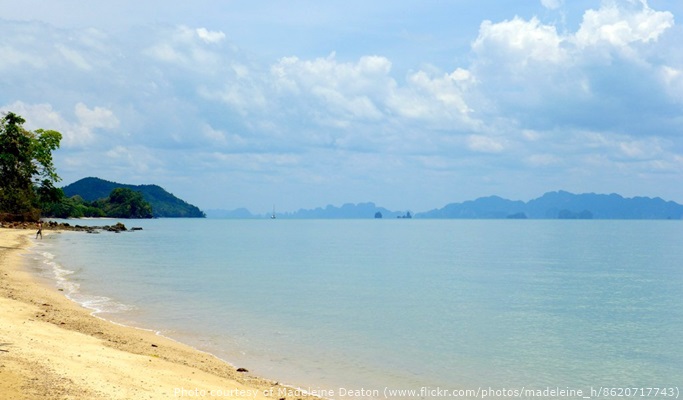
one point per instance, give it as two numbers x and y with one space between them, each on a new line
60 274
100 304
72 289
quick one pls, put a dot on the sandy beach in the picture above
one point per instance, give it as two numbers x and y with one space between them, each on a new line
52 348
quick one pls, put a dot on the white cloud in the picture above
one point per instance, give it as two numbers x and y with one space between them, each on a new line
442 94
38 116
604 74
98 117
166 52
552 4
641 149
188 48
348 90
74 57
209 36
244 96
369 73
74 134
366 91
672 79
214 135
519 42
484 144
253 161
13 58
601 87
529 45
131 161
619 25
222 138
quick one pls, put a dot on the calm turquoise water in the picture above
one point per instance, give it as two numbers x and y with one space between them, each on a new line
398 303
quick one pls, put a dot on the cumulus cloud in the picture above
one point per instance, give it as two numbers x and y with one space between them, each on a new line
366 90
209 36
438 96
348 92
98 117
603 74
194 49
239 97
529 92
37 116
78 133
369 74
519 42
617 24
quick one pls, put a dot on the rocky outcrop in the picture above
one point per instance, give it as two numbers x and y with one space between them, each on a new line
65 226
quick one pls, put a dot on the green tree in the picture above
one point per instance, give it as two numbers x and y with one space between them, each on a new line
71 207
126 203
27 173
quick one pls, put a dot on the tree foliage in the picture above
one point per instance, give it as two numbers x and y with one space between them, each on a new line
125 203
72 207
121 203
164 204
27 173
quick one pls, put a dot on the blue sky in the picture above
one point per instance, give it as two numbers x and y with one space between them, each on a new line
301 104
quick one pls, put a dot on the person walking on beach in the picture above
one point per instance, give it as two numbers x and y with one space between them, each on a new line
40 230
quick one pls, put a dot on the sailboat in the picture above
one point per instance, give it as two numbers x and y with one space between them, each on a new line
272 216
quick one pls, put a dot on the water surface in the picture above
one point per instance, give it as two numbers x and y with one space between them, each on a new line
399 303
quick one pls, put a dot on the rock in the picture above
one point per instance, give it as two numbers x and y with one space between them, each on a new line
242 370
65 226
119 227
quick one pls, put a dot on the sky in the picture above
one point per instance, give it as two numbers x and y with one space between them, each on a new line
299 104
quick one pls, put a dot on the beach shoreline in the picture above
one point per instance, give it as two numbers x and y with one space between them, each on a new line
52 347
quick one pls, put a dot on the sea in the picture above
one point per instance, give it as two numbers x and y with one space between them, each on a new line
404 308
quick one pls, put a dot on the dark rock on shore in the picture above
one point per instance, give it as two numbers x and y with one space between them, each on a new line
119 227
65 226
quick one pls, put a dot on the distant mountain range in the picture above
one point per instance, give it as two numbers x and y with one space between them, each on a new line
346 211
562 205
552 205
164 204
239 213
361 210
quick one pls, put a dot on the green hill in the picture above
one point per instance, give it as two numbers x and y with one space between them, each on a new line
164 204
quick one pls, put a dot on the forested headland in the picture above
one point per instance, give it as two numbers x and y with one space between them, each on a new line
28 184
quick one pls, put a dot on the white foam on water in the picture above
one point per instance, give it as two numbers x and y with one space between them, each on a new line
65 281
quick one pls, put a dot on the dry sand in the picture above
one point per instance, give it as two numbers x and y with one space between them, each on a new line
52 348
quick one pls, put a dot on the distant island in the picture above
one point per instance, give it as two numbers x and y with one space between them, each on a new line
361 210
163 204
346 211
552 205
562 205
